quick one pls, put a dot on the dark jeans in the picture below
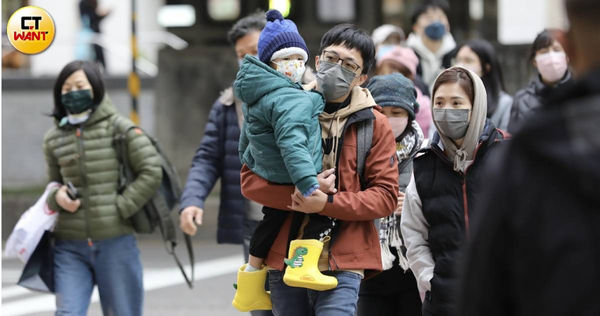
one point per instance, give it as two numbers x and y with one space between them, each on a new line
249 227
296 301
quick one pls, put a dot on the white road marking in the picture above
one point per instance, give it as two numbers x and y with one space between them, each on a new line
13 291
153 279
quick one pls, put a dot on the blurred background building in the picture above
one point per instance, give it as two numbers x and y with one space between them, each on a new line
184 61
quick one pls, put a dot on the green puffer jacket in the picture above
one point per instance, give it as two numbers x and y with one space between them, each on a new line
85 156
281 137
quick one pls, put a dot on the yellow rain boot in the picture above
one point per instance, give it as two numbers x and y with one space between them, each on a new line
303 266
250 294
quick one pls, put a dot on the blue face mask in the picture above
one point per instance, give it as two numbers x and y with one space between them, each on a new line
384 49
435 30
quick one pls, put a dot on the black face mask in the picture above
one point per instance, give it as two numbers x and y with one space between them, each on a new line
77 101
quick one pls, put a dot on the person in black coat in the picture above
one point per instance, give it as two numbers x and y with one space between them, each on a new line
535 241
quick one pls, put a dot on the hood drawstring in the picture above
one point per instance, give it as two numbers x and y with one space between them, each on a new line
460 160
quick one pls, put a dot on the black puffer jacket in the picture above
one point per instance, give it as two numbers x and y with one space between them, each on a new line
535 239
529 99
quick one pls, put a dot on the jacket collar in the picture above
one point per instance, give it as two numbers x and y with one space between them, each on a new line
227 98
489 136
540 87
585 86
103 111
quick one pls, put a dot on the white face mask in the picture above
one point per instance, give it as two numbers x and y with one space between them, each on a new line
79 118
398 125
551 65
293 69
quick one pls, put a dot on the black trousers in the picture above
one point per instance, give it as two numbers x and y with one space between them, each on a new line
391 292
267 230
99 52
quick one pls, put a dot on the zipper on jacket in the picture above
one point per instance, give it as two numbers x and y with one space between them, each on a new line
334 262
465 204
84 194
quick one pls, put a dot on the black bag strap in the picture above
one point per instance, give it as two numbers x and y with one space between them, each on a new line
364 139
170 246
125 172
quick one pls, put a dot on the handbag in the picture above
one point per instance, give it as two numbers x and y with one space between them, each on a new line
38 273
31 226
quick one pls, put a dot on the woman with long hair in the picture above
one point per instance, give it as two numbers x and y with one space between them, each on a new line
480 57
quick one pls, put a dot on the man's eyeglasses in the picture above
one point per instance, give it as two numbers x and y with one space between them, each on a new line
333 57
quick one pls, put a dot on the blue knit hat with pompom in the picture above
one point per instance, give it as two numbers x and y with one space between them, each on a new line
277 35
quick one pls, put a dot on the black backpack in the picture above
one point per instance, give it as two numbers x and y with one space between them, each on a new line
157 212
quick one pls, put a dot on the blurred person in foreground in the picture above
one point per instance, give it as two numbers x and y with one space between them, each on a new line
534 247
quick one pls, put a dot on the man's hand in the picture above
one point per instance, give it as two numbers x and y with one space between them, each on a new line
398 210
189 218
312 204
327 181
65 201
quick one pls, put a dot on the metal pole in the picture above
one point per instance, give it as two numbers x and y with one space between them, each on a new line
134 79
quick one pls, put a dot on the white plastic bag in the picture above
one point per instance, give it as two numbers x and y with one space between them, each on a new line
31 226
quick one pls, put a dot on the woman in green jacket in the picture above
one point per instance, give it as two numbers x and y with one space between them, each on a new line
94 236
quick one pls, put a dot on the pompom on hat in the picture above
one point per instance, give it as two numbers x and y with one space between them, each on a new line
280 38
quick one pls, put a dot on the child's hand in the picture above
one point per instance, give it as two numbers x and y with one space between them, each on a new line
327 181
312 204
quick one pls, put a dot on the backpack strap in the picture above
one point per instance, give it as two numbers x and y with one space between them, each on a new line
364 139
121 128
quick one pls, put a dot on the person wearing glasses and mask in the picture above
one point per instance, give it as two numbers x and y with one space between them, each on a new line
281 142
345 57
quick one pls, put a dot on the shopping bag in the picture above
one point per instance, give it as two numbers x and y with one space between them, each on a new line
38 273
31 226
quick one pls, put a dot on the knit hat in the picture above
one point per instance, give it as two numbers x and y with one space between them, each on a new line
401 55
280 36
394 90
381 33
